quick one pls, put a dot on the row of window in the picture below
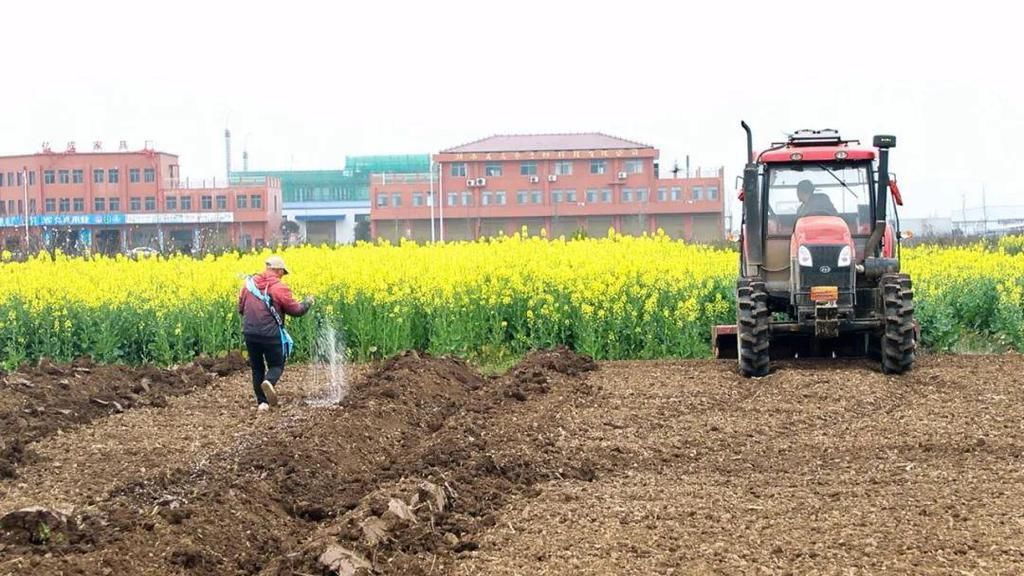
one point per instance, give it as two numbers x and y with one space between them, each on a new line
593 195
77 176
15 209
17 179
560 168
138 204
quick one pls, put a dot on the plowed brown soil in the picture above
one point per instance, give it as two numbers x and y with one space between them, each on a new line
559 467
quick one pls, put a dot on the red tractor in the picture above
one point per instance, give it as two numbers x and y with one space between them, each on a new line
819 260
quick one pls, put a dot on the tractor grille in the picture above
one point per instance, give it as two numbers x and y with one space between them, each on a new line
836 276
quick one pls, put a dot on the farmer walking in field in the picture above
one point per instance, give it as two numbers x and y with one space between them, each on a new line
263 303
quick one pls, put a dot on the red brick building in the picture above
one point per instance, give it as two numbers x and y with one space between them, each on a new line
563 183
115 201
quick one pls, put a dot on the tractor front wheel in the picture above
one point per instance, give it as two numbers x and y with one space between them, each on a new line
898 341
752 326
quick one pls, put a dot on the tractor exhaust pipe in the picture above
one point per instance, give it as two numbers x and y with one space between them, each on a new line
883 143
753 239
750 142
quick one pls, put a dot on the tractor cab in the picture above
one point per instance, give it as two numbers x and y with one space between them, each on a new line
817 253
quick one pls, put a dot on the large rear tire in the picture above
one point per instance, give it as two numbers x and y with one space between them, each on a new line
899 340
752 326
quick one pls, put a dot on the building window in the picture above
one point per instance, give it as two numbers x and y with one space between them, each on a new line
171 203
186 203
606 195
21 179
697 193
634 166
522 197
467 198
32 205
134 175
49 177
712 193
382 200
222 202
641 194
492 169
64 177
256 201
97 176
417 199
206 202
591 195
485 198
115 204
242 202
78 204
65 204
31 178
563 168
50 205
661 194
135 204
150 204
453 198
499 198
396 199
627 195
77 176
528 169
598 166
537 196
556 196
149 174
113 176
677 193
570 195
459 170
10 178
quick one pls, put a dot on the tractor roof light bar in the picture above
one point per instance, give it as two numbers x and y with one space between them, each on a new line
825 137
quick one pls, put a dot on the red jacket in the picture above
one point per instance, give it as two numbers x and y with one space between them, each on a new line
256 318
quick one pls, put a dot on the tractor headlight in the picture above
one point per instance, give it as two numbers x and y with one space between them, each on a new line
803 256
845 256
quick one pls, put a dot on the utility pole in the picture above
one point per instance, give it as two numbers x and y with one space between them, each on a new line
984 211
24 183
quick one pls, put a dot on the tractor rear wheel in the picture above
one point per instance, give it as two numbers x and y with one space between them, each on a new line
752 326
898 340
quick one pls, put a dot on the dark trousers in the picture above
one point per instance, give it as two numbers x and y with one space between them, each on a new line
266 358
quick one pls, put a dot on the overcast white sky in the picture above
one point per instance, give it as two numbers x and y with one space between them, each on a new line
301 84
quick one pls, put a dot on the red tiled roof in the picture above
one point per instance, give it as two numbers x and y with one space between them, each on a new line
546 142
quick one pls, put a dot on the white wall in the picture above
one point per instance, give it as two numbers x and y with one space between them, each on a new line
345 224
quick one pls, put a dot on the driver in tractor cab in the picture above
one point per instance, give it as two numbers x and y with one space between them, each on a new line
813 203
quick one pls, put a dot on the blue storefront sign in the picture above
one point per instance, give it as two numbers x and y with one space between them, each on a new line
113 219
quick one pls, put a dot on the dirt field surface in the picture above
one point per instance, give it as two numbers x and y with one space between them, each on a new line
559 467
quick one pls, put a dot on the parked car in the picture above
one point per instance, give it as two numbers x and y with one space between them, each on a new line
143 252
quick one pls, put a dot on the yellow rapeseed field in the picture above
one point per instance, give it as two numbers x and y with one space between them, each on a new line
613 297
